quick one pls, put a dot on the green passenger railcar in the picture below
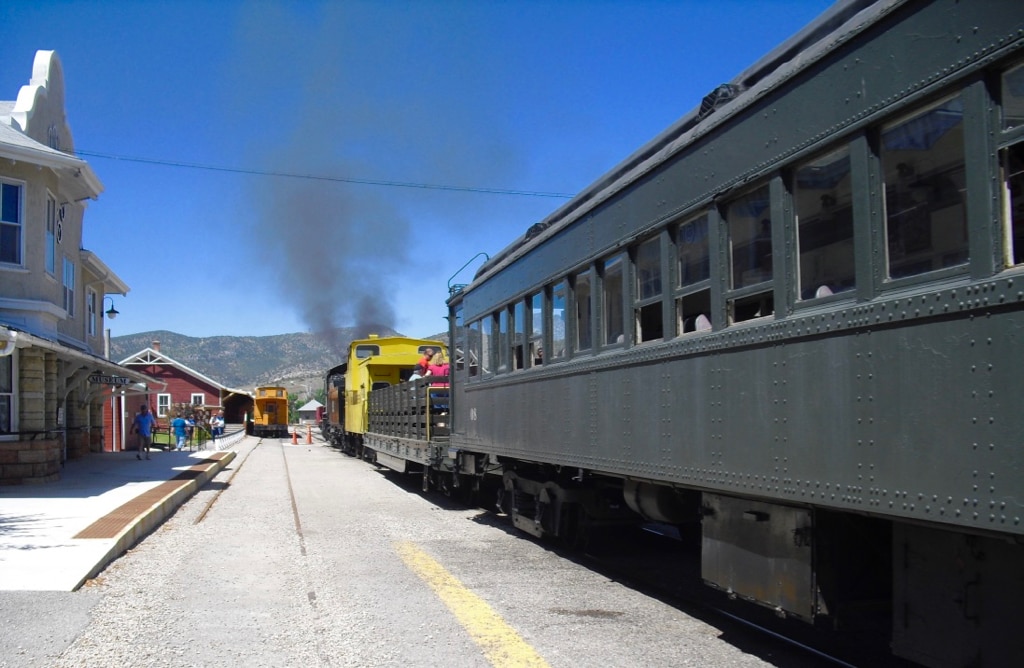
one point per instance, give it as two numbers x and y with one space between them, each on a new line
795 318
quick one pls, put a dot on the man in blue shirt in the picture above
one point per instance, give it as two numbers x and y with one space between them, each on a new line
143 426
179 431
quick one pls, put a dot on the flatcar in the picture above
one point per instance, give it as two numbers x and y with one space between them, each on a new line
793 320
373 363
270 412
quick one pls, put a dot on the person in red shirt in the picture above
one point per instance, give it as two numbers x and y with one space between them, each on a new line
425 361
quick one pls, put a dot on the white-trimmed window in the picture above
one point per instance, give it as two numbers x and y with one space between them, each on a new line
198 399
163 405
10 222
90 307
51 235
8 414
69 287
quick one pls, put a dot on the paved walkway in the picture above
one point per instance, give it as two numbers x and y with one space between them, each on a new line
54 537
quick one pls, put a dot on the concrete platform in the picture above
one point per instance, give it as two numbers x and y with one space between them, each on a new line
54 537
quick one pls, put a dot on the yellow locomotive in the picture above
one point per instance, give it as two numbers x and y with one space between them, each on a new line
373 363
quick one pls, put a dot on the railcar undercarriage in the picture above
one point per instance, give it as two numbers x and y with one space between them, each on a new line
837 570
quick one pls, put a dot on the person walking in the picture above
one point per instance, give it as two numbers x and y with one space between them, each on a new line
178 423
143 426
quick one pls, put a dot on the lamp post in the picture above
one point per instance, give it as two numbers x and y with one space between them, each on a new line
111 313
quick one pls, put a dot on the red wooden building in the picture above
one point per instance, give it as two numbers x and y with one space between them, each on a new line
181 385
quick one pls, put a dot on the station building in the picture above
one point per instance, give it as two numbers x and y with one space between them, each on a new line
56 381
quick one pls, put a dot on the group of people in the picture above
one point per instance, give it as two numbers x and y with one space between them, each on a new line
431 364
145 422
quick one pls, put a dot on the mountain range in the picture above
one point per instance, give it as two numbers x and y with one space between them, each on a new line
297 361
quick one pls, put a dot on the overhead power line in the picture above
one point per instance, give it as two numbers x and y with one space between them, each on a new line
320 177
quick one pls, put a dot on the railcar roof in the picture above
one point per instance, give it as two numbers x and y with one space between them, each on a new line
830 29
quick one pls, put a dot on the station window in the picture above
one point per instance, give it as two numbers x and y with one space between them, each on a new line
611 295
647 314
1012 163
559 317
748 225
536 303
923 167
823 200
69 287
91 313
7 404
51 234
10 222
581 297
693 268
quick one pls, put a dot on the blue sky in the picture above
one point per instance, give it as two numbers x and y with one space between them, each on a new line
539 97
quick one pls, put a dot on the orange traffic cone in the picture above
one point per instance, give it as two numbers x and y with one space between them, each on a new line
295 438
309 435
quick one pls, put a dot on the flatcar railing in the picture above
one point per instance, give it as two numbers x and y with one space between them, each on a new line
417 409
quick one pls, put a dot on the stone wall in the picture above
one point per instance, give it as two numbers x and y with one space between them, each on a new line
25 462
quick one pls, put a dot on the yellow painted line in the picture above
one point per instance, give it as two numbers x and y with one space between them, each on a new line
501 644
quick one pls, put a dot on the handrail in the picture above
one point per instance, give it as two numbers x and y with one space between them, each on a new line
459 287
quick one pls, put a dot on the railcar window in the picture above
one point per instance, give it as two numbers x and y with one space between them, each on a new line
458 351
537 328
581 297
692 276
474 345
692 251
648 269
502 341
1012 162
1013 178
823 200
1013 97
693 269
559 297
487 345
923 167
366 350
749 229
611 292
518 335
647 291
